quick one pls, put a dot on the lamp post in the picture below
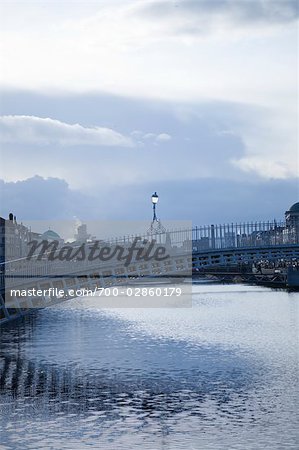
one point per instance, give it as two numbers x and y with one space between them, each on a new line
155 199
156 226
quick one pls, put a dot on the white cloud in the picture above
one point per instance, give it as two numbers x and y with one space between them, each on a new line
153 49
242 52
46 131
163 137
266 168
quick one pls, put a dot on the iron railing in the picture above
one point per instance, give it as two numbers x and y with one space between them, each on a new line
230 235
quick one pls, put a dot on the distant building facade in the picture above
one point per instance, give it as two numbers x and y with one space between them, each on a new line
291 232
15 237
82 235
51 236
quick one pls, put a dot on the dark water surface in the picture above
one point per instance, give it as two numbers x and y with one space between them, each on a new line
220 375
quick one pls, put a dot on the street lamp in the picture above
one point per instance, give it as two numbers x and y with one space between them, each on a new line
156 226
155 199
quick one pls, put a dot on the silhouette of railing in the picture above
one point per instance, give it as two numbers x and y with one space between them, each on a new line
230 235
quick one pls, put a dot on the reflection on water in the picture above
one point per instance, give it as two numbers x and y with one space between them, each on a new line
222 374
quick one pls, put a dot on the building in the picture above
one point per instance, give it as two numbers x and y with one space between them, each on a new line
291 232
82 235
51 236
14 238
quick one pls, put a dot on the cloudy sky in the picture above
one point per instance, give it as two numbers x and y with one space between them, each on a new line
104 102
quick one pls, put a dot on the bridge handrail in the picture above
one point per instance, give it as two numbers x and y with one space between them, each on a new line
217 237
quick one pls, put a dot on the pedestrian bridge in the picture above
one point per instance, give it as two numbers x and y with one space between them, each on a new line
247 255
197 248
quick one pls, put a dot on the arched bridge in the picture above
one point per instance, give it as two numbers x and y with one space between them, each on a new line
197 248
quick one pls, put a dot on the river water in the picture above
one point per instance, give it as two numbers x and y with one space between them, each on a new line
220 375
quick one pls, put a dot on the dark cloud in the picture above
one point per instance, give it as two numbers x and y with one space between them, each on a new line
38 198
234 11
210 189
203 201
210 200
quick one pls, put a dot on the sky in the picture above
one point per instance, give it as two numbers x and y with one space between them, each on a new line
102 103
